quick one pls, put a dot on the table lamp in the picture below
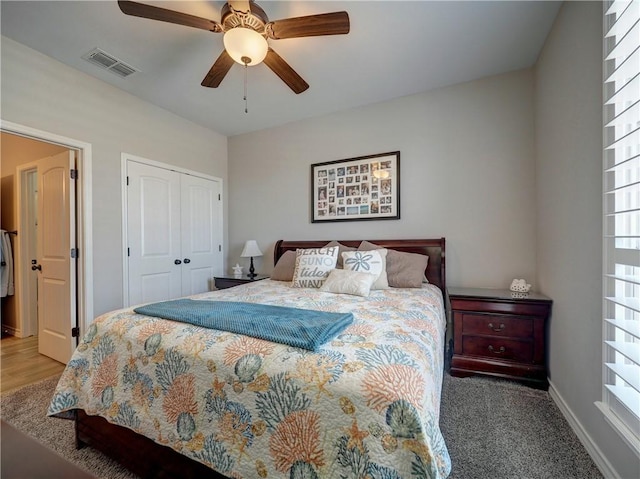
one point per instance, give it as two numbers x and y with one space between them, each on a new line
250 250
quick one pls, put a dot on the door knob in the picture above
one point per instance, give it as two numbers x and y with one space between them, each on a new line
177 262
36 267
187 261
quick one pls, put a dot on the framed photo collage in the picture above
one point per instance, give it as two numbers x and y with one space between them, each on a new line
356 189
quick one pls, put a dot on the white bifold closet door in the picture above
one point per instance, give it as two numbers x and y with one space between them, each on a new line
174 235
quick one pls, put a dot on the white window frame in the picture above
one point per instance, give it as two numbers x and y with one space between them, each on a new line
621 219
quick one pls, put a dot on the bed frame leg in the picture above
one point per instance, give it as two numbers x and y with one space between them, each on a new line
80 444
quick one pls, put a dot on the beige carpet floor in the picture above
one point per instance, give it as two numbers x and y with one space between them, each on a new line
26 410
493 429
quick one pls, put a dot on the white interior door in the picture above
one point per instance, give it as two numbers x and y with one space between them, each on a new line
55 267
26 248
153 227
201 233
30 230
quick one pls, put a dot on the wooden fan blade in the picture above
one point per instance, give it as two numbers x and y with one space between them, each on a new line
162 14
285 72
218 71
240 5
336 23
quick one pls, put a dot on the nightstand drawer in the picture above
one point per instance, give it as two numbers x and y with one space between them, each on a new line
496 325
498 348
511 306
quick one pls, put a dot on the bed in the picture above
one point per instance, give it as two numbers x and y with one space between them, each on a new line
169 399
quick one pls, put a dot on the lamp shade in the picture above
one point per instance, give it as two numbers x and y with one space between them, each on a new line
245 46
251 249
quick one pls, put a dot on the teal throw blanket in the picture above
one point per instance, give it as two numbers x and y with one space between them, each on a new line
303 328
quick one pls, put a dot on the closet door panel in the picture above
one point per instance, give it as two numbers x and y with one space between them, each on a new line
201 233
156 287
153 225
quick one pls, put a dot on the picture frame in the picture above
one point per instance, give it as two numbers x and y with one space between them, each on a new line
356 189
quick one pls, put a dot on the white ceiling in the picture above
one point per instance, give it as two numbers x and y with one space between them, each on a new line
394 48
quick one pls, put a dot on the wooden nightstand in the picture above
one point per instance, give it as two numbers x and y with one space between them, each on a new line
224 282
495 334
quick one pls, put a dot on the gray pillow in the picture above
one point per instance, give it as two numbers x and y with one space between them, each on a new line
283 270
404 270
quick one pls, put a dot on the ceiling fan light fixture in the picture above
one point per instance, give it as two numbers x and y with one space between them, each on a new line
246 29
244 44
380 174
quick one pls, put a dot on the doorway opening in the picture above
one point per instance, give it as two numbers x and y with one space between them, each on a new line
19 207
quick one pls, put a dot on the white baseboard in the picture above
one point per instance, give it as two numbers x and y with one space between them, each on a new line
592 448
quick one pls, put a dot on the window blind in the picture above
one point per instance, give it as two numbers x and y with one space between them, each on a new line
621 224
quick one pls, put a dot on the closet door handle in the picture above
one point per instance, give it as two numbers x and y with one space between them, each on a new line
177 262
187 261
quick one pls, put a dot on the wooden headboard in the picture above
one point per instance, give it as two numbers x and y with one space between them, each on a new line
433 248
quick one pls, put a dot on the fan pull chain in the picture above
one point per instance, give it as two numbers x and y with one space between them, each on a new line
246 63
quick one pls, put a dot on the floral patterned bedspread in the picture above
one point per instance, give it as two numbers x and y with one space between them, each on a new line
365 405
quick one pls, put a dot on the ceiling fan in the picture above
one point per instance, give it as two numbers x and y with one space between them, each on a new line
246 29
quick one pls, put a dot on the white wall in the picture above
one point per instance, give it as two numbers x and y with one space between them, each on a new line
41 93
568 93
467 173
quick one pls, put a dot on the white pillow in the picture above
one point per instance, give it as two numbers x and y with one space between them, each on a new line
345 281
372 262
313 266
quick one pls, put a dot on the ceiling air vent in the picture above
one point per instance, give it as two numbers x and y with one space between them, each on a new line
109 62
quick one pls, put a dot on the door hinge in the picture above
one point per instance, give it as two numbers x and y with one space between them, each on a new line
127 181
75 252
128 251
218 196
75 332
219 247
74 174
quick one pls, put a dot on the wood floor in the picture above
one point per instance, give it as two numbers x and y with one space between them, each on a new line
20 363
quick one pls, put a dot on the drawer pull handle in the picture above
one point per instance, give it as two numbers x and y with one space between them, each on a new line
497 351
498 329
